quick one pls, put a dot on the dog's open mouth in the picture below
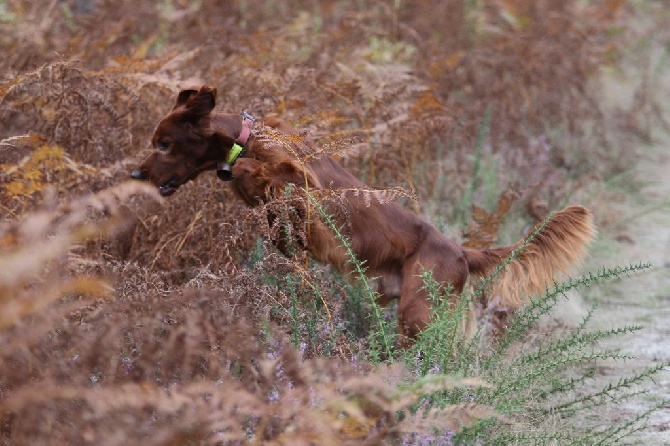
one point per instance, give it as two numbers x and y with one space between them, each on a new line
174 182
169 187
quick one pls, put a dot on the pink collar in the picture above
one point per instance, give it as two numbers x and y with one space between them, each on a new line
247 121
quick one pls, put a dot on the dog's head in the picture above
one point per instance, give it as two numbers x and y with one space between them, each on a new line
185 142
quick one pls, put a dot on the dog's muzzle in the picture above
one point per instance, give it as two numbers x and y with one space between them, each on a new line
166 189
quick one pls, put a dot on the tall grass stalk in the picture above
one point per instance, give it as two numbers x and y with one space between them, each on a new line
381 342
482 134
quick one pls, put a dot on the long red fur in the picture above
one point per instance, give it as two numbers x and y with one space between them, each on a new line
395 244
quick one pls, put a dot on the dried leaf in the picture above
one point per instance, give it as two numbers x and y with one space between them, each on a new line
484 226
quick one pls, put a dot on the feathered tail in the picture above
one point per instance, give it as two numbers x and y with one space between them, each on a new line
561 244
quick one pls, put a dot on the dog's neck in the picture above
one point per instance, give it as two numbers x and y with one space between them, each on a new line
231 126
233 132
228 125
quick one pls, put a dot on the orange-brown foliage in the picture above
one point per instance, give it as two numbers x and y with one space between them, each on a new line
397 90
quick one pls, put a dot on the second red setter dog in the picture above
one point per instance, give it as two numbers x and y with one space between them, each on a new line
394 242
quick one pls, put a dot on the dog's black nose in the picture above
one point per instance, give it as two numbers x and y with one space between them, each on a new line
138 175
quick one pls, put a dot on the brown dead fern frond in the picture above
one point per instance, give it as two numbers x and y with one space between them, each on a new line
382 196
294 144
35 247
46 166
483 229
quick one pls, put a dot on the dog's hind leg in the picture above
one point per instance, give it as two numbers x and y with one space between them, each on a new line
388 288
449 269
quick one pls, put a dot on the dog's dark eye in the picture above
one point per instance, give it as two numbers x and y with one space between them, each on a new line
162 145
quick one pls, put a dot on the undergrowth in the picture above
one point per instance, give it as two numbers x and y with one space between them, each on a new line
126 319
205 366
542 381
196 367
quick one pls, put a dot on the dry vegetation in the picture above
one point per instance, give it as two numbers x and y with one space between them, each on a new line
126 318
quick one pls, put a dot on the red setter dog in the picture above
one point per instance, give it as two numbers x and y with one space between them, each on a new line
394 242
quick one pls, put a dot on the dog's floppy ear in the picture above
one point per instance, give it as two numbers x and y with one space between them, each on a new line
184 96
199 102
203 102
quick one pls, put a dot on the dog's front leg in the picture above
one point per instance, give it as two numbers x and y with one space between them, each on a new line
248 182
258 183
